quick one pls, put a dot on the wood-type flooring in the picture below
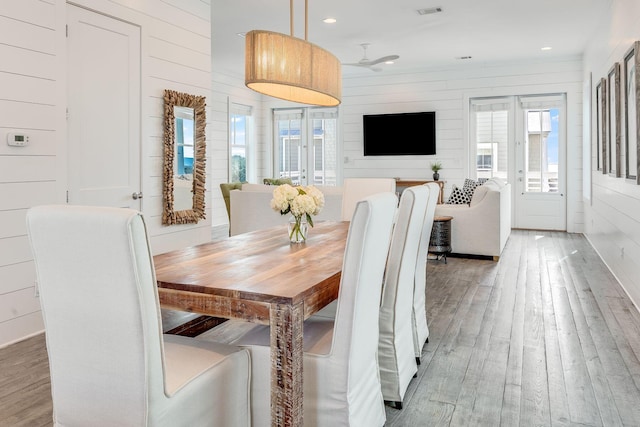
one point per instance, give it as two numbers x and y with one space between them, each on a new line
543 337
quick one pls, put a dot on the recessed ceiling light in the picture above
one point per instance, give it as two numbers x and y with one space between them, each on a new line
429 11
546 48
389 62
329 20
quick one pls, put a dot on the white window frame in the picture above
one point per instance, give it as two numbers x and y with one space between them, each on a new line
237 109
498 103
306 115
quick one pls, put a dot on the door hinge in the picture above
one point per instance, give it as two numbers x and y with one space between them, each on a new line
67 196
66 30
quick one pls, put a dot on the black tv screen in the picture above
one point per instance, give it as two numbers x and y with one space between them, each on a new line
401 134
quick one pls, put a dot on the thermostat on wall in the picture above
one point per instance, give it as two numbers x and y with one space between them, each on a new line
17 139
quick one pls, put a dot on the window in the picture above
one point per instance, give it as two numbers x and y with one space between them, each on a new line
542 116
484 160
306 139
240 129
490 130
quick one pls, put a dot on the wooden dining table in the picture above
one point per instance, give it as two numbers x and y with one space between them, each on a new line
261 277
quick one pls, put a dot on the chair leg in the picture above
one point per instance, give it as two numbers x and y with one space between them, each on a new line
398 405
418 361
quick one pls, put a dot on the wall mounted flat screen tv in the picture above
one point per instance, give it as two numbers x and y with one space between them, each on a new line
401 134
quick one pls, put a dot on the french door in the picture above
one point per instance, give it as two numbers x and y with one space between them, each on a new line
522 139
306 145
540 184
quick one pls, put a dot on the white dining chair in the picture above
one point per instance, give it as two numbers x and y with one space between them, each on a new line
395 349
356 189
419 315
110 364
341 384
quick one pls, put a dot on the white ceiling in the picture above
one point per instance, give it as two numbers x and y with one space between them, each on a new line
486 30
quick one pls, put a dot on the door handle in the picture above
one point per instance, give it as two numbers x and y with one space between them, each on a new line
136 196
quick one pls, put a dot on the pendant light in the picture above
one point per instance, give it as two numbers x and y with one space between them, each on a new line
290 68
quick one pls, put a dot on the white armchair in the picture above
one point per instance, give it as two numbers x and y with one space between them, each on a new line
110 364
483 226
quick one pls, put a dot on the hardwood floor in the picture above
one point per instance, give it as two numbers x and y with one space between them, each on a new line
543 337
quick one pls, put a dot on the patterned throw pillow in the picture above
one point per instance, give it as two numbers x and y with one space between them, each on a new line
482 180
470 186
458 197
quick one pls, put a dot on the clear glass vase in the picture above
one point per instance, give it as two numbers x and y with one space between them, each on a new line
298 229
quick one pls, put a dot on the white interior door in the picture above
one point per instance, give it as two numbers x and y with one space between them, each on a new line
540 185
103 119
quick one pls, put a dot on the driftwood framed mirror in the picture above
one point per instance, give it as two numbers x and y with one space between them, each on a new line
184 158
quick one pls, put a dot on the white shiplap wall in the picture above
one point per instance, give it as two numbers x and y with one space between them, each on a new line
447 92
613 213
176 54
29 82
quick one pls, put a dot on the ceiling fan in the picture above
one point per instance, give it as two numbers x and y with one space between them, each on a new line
370 63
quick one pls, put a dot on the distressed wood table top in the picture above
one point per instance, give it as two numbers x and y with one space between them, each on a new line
262 278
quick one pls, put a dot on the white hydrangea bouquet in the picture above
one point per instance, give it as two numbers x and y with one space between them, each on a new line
301 202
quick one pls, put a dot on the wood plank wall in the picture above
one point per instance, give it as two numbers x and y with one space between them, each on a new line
176 54
612 215
447 91
29 103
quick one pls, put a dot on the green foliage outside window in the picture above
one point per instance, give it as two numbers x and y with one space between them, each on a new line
238 168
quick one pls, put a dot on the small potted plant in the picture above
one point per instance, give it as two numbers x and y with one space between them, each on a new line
435 167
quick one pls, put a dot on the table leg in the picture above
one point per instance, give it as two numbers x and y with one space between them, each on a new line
286 364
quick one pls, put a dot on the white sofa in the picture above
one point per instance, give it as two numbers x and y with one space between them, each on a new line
483 226
250 208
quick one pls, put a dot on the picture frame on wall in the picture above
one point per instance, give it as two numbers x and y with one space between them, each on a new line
613 120
587 148
632 112
604 131
599 126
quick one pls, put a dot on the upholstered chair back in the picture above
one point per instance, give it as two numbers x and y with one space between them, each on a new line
102 321
419 317
356 189
364 261
355 333
395 347
110 364
341 379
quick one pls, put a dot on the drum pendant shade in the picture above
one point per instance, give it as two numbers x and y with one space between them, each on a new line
293 69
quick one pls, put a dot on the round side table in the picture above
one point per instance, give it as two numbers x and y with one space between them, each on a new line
440 241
